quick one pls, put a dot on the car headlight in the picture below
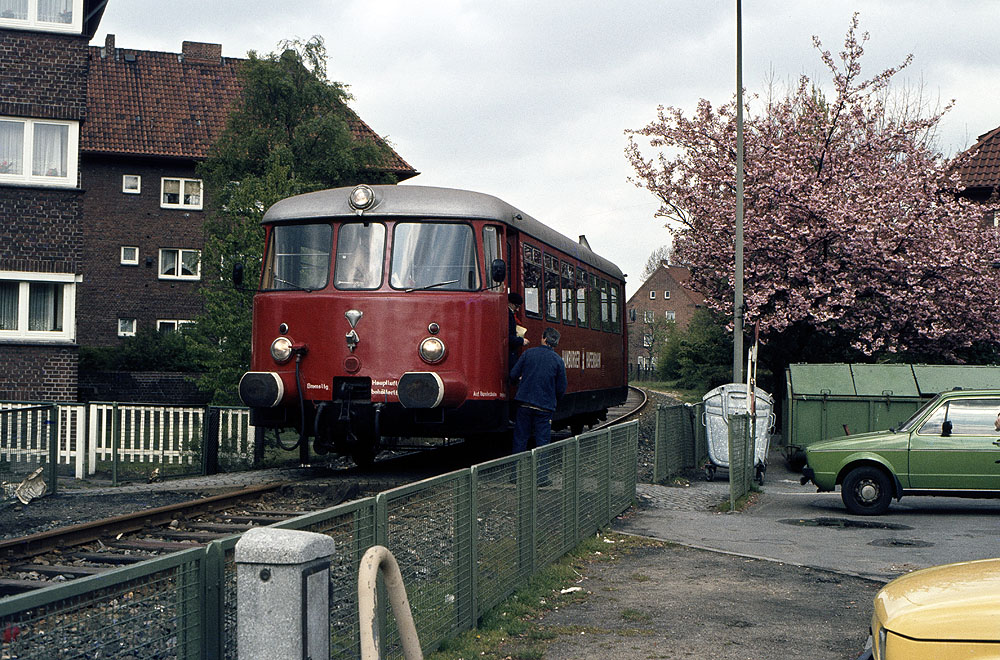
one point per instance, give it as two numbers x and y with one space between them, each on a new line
883 634
281 350
431 350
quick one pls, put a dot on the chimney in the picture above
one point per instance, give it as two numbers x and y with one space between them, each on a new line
196 52
109 47
583 241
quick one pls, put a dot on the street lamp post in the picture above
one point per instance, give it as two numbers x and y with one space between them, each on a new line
738 242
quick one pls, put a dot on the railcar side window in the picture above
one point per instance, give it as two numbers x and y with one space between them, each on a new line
434 256
615 327
568 277
605 307
581 297
551 288
532 275
491 252
298 258
595 302
360 255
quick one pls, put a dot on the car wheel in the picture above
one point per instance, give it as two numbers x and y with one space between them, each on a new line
867 491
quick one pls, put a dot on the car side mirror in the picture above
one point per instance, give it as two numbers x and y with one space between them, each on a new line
238 276
498 270
946 428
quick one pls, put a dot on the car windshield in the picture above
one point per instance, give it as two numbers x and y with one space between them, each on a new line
434 256
908 425
298 258
360 250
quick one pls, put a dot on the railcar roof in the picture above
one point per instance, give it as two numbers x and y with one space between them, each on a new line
428 202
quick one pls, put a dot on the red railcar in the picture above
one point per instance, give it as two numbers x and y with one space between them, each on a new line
382 312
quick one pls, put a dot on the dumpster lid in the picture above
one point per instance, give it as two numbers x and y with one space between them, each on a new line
818 379
884 379
934 378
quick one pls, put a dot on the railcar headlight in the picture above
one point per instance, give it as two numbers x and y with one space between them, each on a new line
432 350
362 198
281 350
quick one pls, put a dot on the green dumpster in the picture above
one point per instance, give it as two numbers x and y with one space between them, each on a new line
830 400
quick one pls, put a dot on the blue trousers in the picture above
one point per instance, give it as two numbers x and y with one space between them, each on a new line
531 422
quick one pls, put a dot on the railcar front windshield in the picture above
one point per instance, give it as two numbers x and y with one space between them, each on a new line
298 258
439 256
360 254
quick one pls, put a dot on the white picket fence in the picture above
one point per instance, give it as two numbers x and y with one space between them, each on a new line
89 434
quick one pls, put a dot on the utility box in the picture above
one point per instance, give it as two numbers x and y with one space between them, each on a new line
831 400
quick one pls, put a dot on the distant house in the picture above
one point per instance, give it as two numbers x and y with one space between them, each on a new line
43 108
661 299
980 173
152 118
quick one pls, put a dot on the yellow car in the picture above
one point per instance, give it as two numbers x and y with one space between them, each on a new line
939 613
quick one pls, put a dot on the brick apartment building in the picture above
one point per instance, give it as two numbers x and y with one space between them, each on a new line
43 105
152 118
661 299
981 173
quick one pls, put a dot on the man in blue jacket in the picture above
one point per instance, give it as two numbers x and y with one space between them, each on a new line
541 381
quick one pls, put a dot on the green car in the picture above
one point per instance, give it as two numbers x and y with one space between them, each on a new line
950 446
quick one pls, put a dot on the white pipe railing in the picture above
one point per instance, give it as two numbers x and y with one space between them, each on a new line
378 558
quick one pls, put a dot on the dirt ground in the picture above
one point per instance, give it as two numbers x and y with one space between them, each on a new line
670 601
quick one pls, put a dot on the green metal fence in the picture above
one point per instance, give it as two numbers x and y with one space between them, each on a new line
680 442
464 541
741 457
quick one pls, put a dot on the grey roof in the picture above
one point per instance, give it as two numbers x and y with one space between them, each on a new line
432 203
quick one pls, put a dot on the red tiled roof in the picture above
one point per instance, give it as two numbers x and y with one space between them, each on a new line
981 168
147 103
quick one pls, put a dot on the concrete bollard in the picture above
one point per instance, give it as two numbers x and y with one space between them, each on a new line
283 594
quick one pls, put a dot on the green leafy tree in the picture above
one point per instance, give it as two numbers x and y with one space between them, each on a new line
290 134
700 357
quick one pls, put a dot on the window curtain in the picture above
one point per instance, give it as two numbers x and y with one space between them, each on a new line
17 9
51 150
8 305
55 11
168 262
45 307
11 146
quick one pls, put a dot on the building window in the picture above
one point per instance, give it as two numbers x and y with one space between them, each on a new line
178 264
126 327
130 256
37 306
38 152
648 317
180 193
652 295
671 316
666 295
46 15
131 183
647 340
171 325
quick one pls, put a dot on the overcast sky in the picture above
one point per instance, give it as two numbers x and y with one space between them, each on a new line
529 100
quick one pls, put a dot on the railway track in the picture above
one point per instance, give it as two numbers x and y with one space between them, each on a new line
38 560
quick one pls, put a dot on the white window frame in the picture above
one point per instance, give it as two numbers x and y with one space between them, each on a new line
652 295
666 295
75 25
125 261
176 323
647 340
180 255
670 315
65 336
648 316
25 177
127 333
131 190
181 204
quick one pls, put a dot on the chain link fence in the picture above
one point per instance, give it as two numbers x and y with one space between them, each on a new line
464 541
741 458
679 441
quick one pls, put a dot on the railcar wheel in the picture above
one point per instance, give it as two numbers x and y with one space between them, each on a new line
364 449
867 491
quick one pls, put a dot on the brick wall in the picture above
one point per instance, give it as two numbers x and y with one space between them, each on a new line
681 301
114 219
141 387
38 373
43 75
40 230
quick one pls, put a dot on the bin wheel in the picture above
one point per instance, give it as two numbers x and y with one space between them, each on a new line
710 473
759 476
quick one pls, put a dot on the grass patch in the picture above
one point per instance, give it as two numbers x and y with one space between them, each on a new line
511 630
670 387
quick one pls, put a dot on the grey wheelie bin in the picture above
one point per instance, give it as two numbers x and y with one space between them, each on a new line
732 399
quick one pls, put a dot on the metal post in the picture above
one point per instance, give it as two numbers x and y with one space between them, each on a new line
53 441
115 431
738 275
